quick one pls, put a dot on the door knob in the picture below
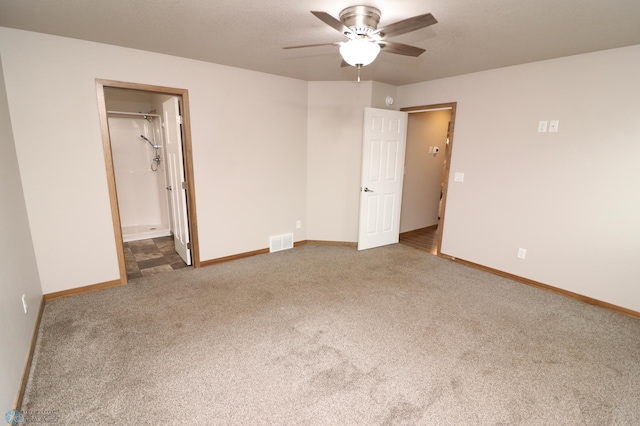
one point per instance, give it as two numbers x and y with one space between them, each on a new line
168 187
367 190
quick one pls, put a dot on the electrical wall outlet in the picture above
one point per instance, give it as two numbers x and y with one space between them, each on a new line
24 303
522 253
298 224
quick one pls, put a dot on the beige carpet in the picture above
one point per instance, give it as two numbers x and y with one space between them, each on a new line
322 335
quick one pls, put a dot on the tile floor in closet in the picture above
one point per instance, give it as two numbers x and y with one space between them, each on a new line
152 256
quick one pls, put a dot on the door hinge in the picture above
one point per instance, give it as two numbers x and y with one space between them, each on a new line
179 119
189 245
184 185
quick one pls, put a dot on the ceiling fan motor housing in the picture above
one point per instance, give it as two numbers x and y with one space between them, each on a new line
363 20
359 24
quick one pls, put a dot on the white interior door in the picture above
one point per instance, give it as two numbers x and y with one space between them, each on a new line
383 151
175 171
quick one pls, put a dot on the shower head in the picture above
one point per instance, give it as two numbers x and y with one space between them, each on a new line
150 143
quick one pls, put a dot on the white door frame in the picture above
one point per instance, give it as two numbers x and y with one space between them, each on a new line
447 168
183 99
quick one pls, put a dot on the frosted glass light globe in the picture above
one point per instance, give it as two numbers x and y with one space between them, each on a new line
359 51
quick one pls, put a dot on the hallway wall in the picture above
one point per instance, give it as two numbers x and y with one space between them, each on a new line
423 170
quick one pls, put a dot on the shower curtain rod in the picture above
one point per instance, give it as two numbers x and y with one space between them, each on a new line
133 113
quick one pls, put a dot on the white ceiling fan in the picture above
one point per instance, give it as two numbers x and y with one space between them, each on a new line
359 24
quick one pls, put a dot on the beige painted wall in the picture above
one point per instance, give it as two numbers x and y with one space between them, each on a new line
570 198
18 270
379 94
269 151
127 100
334 143
334 151
422 170
249 145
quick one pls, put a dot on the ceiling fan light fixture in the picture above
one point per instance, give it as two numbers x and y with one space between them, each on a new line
359 51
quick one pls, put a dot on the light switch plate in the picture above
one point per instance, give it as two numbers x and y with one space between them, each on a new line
458 177
553 125
542 126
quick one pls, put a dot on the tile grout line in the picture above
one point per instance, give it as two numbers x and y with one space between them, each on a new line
155 258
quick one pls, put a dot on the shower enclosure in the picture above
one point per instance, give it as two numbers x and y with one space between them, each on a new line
140 174
147 151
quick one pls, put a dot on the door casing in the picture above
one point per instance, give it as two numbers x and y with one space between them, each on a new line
445 174
183 99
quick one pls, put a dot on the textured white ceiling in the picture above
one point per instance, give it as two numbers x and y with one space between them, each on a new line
471 35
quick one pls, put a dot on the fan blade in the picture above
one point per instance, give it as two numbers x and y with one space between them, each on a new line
407 25
332 22
312 45
400 49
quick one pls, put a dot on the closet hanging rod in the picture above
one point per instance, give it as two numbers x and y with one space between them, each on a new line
133 113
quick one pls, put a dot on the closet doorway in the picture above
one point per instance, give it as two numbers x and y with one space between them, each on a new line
428 156
147 148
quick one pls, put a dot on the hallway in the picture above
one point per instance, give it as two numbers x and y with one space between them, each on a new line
425 239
